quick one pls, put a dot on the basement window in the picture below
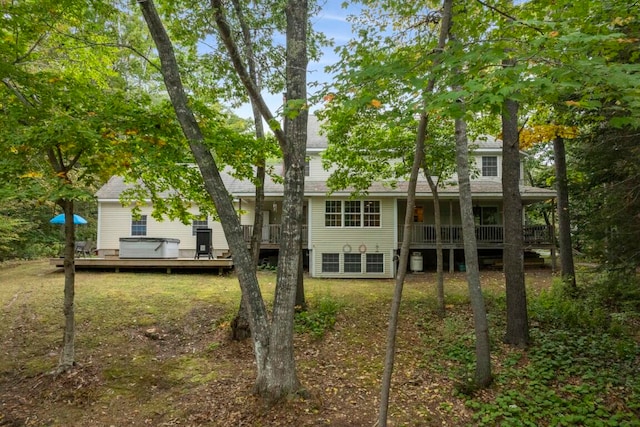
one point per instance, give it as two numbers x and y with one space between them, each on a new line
352 263
375 263
330 263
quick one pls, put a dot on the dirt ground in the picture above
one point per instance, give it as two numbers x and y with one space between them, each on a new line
189 373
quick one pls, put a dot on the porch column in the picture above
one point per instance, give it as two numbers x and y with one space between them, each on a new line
451 250
553 237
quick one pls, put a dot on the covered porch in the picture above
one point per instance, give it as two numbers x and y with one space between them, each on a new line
423 236
489 233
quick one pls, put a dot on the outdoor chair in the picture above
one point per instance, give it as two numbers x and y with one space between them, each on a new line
84 248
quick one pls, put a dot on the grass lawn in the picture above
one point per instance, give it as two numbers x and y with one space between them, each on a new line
152 349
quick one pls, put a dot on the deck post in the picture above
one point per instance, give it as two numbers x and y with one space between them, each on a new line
451 251
553 237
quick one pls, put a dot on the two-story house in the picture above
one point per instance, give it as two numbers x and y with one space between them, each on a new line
344 236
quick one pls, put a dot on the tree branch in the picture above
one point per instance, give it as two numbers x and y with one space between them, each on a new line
56 163
17 92
509 17
89 43
31 49
236 59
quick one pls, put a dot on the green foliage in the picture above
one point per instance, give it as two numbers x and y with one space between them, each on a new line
11 230
607 301
570 378
319 318
606 201
557 308
618 290
25 231
581 368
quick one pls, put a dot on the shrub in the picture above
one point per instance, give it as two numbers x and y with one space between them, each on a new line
556 308
318 318
618 289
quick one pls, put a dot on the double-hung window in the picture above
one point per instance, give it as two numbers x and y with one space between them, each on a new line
371 213
331 263
333 213
489 166
139 226
199 223
375 263
352 263
352 213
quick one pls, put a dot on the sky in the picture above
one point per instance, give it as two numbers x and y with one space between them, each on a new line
332 21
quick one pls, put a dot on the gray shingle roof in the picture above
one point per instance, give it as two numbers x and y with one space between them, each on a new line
243 188
314 139
317 142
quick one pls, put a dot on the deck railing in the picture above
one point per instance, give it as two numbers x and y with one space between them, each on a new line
425 234
271 233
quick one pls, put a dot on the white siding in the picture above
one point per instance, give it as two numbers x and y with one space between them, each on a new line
352 240
477 167
115 222
316 171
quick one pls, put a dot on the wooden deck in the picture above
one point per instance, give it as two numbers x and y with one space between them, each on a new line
168 264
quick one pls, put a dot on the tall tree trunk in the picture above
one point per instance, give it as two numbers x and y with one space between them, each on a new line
439 255
256 235
214 185
400 275
279 377
513 253
406 240
67 355
481 325
564 222
283 371
240 327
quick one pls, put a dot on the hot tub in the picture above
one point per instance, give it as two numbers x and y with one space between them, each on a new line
149 247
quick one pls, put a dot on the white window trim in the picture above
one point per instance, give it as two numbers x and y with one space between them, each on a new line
194 227
362 214
482 166
142 221
322 263
344 263
382 262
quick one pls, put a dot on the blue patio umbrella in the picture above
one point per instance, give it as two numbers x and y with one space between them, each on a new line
59 219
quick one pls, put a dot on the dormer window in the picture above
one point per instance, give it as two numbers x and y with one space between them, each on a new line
489 166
